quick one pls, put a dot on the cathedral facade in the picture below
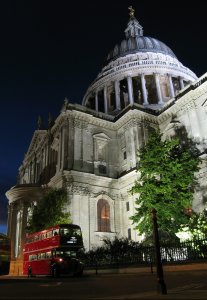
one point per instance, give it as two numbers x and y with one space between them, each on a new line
91 149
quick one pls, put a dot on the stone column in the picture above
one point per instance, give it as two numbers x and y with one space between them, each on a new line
35 170
65 145
144 90
9 220
105 100
181 83
159 94
172 93
23 225
46 155
62 146
96 101
18 231
12 236
70 142
130 90
29 172
117 95
59 150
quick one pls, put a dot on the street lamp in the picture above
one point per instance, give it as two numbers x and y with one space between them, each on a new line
161 287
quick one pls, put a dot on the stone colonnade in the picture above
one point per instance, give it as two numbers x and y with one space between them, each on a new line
130 91
20 201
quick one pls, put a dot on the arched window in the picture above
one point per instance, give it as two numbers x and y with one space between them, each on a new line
103 213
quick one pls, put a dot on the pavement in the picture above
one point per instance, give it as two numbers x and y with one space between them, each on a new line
194 290
190 291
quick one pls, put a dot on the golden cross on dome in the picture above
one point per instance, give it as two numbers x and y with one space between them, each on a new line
131 11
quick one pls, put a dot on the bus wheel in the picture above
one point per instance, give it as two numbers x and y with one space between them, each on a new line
55 272
29 272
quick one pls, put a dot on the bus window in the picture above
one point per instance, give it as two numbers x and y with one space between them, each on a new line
33 257
55 232
58 253
48 254
65 253
42 255
70 232
65 232
36 238
49 234
70 253
77 232
43 236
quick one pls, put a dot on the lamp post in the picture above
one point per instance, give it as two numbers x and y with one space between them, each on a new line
161 287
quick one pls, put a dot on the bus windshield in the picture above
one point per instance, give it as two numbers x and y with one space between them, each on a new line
70 231
64 253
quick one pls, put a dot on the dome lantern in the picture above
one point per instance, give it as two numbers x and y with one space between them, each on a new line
133 27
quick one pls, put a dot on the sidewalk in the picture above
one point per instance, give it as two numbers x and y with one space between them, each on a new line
191 291
166 268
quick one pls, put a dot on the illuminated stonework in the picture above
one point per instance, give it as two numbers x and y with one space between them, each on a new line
91 149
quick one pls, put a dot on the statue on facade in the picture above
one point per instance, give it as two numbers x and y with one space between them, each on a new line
65 105
131 11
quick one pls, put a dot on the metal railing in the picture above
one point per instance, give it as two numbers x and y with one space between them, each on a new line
189 251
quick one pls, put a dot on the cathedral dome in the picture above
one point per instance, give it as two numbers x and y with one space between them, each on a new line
139 44
140 70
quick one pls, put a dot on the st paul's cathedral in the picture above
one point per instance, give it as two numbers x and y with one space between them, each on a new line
91 149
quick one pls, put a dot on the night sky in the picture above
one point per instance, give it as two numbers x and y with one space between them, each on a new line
50 50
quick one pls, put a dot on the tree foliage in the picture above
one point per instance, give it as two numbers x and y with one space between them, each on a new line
197 226
167 181
49 211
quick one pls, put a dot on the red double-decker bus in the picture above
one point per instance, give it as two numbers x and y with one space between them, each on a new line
53 251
